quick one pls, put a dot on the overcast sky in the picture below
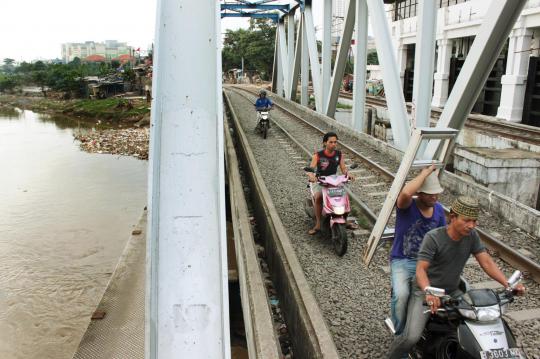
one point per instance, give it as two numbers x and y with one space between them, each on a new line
33 29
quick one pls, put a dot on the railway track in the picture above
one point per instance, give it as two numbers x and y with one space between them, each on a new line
518 132
373 182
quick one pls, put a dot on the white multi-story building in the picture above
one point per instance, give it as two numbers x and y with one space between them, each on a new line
513 87
110 49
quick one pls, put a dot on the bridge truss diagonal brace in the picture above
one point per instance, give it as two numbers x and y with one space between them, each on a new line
298 57
392 82
309 30
360 63
492 34
339 67
283 54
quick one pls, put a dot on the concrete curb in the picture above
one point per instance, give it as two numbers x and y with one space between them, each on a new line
120 334
261 337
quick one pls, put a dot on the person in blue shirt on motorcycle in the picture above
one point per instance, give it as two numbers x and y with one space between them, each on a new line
263 103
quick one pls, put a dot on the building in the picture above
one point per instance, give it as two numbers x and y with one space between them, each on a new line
514 82
110 49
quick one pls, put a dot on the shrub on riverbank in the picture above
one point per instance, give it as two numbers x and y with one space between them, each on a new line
111 109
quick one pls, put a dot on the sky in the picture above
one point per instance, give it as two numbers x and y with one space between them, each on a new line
35 29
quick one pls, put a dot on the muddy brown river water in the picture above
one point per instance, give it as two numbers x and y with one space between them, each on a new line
65 216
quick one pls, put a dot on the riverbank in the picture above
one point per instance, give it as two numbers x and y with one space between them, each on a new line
114 126
126 142
111 110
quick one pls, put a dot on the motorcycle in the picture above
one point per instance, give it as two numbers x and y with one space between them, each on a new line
263 122
336 207
470 327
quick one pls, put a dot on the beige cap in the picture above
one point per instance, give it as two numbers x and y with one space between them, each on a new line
466 206
431 185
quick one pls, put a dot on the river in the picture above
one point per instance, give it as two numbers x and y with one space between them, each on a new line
65 216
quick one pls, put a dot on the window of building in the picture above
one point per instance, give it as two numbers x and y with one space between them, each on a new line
404 9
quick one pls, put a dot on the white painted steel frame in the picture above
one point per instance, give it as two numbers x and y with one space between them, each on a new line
341 60
326 52
304 64
298 55
187 288
392 83
290 50
360 63
424 62
313 57
283 65
492 34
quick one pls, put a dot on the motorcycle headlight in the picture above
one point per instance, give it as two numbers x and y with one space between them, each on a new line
487 314
339 210
467 313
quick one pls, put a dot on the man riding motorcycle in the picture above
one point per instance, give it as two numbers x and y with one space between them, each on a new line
263 103
326 161
441 260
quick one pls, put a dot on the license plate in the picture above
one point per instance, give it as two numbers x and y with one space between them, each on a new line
336 192
511 353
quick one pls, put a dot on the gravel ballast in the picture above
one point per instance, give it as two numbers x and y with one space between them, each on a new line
353 299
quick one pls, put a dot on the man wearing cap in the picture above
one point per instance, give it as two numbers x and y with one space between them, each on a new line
414 218
441 260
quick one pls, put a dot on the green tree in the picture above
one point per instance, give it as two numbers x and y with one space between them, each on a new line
9 65
255 45
372 58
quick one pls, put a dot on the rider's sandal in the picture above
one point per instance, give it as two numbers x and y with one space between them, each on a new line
313 231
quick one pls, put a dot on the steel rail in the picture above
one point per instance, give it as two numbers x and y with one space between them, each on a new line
509 130
509 255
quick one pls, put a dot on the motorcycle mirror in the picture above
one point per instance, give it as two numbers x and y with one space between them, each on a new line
353 166
516 276
309 169
438 292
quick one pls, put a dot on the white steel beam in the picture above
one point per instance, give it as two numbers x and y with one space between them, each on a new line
290 46
293 80
341 60
275 65
424 62
492 34
360 63
326 51
187 288
309 29
284 56
392 83
279 63
304 101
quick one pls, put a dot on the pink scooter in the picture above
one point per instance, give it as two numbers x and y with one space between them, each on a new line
335 208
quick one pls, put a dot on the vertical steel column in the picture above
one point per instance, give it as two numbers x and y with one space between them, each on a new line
295 69
360 63
275 64
392 83
284 56
187 289
326 53
290 50
280 61
304 63
424 61
309 29
341 59
492 34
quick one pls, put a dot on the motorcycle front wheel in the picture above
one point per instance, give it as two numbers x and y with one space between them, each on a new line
339 238
264 129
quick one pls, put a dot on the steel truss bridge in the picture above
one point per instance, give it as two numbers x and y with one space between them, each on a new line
187 292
